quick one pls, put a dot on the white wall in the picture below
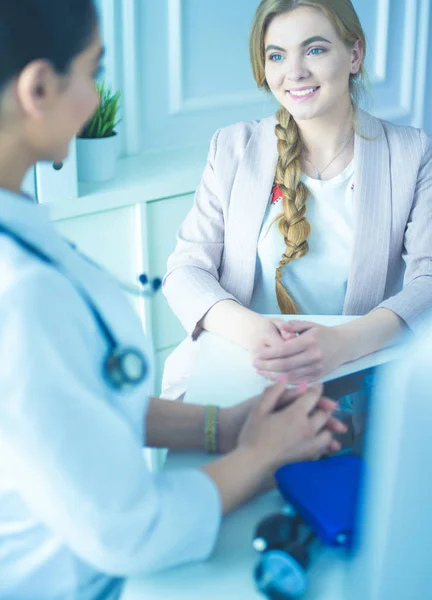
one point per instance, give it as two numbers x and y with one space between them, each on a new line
184 66
398 33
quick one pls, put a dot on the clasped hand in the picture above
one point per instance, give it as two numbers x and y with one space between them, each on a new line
299 350
299 419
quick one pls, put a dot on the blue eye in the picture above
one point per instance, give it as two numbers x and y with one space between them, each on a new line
316 51
276 57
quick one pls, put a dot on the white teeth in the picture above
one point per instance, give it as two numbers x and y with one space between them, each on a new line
303 92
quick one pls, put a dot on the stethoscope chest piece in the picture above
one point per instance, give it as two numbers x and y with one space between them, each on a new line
125 368
279 576
283 540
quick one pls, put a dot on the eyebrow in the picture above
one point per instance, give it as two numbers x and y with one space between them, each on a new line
311 40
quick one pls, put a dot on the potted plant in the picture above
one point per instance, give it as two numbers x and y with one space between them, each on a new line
97 143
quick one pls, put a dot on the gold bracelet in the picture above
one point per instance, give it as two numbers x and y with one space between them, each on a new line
211 428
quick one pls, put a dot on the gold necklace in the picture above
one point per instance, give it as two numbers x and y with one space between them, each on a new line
320 171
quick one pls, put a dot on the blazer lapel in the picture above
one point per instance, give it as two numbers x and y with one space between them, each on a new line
372 224
250 196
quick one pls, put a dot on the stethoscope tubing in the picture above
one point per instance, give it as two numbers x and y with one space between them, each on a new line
114 368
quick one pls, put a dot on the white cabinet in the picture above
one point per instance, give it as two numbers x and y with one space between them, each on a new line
164 218
131 240
108 238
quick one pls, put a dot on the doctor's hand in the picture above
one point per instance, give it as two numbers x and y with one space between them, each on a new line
233 418
288 426
305 352
278 429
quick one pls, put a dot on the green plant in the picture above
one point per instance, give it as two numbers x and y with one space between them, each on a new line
104 121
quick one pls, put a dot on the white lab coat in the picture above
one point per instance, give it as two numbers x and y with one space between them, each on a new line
79 509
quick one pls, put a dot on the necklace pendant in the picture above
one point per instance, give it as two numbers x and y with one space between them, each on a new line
319 176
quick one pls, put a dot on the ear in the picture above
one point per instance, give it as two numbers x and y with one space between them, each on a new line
36 86
357 57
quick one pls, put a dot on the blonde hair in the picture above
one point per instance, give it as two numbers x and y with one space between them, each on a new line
293 224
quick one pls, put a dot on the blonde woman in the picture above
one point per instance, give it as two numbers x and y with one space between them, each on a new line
323 209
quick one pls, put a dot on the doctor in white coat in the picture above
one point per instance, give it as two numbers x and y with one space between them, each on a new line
79 510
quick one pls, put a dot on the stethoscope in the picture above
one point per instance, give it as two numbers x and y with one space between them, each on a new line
124 367
283 541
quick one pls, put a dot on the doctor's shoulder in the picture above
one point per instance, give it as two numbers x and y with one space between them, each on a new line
34 292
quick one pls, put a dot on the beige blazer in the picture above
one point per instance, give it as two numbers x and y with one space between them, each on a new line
215 256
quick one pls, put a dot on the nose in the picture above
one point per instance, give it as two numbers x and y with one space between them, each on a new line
295 69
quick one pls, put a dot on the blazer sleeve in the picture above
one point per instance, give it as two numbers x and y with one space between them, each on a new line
414 301
191 284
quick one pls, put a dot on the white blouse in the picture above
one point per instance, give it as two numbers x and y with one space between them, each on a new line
316 282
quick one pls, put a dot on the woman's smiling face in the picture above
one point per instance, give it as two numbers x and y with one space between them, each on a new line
307 65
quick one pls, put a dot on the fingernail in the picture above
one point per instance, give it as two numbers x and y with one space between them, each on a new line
282 379
302 387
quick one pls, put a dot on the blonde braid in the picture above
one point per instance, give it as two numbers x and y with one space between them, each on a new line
292 224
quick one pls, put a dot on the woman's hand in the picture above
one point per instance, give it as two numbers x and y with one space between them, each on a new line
232 419
305 352
283 426
271 332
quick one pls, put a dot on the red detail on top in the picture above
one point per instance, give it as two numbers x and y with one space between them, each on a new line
276 194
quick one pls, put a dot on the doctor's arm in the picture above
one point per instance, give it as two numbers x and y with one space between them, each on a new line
180 426
75 457
281 425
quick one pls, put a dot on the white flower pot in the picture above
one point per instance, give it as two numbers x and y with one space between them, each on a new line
97 158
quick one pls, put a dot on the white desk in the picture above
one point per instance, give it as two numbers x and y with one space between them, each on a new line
223 374
228 574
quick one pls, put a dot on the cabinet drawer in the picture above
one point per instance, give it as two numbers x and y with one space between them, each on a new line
109 239
163 221
106 237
